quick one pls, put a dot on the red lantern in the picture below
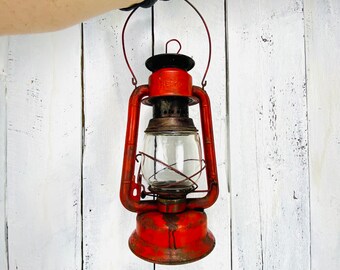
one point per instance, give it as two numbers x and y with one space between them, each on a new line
171 228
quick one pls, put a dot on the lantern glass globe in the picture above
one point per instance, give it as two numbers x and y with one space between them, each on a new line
171 159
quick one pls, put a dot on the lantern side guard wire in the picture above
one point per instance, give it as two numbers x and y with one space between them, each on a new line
172 168
144 193
134 79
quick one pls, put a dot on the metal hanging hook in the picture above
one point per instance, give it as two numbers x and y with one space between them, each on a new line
172 40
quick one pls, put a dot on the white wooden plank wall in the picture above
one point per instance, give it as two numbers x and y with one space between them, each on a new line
44 151
323 58
268 135
62 133
3 146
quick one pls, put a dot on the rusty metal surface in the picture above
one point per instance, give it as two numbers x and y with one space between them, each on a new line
171 205
171 125
172 238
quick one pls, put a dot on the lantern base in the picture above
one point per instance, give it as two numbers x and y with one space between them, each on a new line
172 239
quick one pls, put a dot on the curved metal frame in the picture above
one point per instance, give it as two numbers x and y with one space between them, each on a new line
130 192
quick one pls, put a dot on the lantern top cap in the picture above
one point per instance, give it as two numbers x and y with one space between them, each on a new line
169 60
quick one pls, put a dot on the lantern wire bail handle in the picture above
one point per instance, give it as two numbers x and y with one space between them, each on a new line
204 82
134 79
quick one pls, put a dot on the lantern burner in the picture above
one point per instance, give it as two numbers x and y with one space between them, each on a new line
170 116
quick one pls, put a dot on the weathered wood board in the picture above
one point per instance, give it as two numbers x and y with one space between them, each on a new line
268 135
44 150
3 153
323 77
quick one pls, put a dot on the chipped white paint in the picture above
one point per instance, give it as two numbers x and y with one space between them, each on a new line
323 58
268 135
44 150
3 137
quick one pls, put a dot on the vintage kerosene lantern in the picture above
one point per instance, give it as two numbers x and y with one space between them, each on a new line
171 228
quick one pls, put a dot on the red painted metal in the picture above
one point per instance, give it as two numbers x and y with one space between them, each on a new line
128 182
169 232
170 82
172 238
209 152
